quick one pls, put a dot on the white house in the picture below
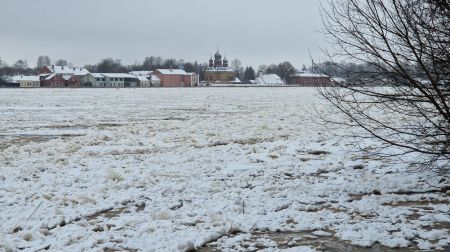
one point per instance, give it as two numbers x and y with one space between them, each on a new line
27 81
93 80
155 81
143 78
195 79
143 81
120 80
269 80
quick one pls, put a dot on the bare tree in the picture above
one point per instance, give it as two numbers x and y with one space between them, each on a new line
43 61
21 64
261 70
61 62
236 65
402 98
110 65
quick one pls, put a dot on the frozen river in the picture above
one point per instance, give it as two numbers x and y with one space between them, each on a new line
181 169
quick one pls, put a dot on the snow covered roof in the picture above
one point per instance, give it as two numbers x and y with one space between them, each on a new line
60 69
155 78
81 71
25 78
118 75
236 80
9 79
172 71
97 75
220 69
141 73
68 70
50 76
142 78
269 79
67 77
305 74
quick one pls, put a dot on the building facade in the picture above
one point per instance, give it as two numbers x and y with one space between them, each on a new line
117 80
53 80
155 81
195 79
143 81
93 80
72 76
72 81
219 71
309 80
173 78
27 81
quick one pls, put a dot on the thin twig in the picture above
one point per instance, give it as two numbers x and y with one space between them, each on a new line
35 210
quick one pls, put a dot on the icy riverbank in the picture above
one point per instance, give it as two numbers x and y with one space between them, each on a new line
175 169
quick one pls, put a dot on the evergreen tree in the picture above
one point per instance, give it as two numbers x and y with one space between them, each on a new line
249 73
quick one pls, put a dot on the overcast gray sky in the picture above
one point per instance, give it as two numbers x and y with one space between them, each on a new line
85 31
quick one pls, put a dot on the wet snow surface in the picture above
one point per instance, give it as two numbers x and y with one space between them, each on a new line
181 169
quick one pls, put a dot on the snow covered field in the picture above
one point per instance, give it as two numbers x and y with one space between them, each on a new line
177 169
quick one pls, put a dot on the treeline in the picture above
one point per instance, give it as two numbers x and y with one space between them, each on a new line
366 73
245 74
151 63
18 68
344 70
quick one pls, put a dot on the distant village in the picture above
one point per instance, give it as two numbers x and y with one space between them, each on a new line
218 73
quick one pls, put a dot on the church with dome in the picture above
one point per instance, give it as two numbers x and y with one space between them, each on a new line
219 71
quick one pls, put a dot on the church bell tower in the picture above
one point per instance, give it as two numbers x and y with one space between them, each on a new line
217 59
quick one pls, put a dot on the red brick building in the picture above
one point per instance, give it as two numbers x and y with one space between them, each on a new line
53 80
61 76
72 81
309 80
173 77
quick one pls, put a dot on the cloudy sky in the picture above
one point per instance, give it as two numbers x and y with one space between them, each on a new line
85 31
